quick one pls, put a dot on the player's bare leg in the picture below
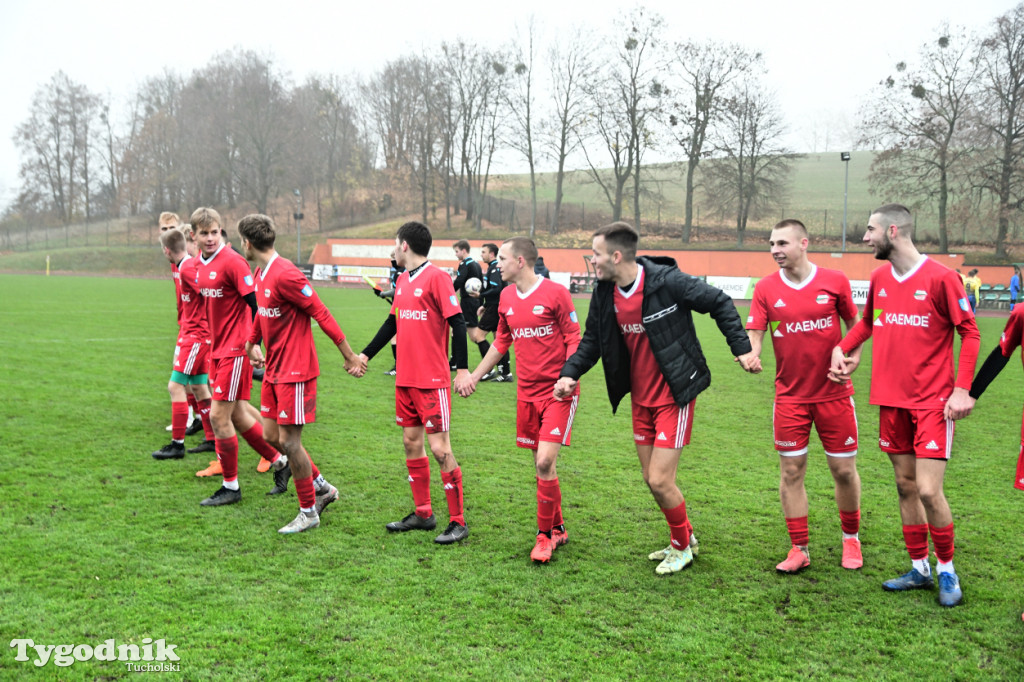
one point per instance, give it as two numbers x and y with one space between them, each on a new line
418 466
179 423
847 491
551 532
451 476
915 525
659 467
302 471
793 495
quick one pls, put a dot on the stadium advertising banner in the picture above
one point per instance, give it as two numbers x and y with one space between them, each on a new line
742 288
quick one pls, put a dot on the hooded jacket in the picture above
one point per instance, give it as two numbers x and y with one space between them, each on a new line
669 297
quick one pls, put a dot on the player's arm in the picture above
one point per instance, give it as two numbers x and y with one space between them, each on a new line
252 346
250 300
460 279
459 352
384 335
698 295
588 352
960 402
993 365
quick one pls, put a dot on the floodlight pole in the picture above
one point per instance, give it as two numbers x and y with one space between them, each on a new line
845 158
298 227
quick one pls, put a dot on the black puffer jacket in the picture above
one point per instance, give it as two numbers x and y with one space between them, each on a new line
669 297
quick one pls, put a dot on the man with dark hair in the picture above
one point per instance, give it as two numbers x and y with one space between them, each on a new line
538 317
488 312
540 269
468 269
286 302
226 283
802 305
640 326
423 311
191 352
914 304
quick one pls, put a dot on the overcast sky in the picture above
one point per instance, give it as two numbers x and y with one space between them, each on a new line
822 57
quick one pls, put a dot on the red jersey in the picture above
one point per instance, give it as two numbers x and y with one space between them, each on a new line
542 325
286 302
647 383
1013 333
804 321
912 320
224 280
192 316
423 303
176 276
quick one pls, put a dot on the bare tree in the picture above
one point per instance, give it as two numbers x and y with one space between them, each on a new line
754 172
572 70
1002 118
920 121
475 76
520 98
55 146
705 72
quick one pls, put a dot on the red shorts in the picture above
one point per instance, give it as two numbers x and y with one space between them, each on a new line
549 421
924 433
665 426
289 404
427 407
192 358
231 379
834 420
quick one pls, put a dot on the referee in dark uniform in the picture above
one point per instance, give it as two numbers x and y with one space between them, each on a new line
468 269
490 293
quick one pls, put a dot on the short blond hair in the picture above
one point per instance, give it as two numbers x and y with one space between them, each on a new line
168 217
204 218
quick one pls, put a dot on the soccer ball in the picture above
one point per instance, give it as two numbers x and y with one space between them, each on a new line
473 285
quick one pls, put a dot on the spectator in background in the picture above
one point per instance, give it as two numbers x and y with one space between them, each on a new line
540 269
1014 286
972 285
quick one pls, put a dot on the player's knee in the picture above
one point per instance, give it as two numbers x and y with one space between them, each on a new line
791 475
931 497
545 466
906 488
844 477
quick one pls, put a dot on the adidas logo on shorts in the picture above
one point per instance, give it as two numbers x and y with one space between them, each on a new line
429 424
661 436
932 445
849 441
556 432
283 415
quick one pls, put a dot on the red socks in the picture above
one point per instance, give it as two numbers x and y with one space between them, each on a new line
179 420
419 481
679 525
254 437
453 492
549 502
798 533
307 494
850 521
916 539
942 538
204 414
227 453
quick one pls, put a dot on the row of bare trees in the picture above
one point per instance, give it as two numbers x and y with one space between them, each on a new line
950 127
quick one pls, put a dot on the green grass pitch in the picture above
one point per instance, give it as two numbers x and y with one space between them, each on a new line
100 541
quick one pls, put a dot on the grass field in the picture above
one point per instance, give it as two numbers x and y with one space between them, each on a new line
100 541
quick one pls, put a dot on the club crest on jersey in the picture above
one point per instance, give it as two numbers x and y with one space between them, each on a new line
964 305
419 292
306 291
780 304
213 274
538 309
266 292
920 295
248 280
822 299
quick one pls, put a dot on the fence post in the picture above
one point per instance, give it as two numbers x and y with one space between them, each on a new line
583 216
